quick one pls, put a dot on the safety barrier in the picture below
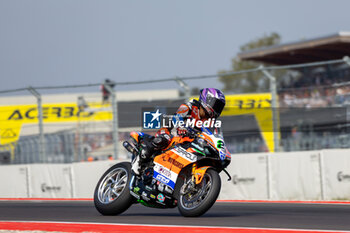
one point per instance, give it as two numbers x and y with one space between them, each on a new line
76 180
309 175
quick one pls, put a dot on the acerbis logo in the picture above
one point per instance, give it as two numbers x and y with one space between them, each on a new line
151 120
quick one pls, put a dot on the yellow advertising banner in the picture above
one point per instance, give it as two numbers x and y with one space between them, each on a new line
13 117
258 105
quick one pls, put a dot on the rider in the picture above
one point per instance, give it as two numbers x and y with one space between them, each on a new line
210 105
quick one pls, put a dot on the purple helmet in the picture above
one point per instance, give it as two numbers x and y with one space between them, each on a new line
213 101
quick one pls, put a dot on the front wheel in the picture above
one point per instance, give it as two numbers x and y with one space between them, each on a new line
195 200
112 195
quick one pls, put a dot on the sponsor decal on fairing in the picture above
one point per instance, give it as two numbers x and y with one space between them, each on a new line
160 197
163 179
185 154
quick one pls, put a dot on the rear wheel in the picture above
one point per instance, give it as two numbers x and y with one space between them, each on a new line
195 200
112 195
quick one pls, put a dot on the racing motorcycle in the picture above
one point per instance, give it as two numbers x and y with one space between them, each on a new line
186 175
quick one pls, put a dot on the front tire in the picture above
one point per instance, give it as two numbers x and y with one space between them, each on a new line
199 200
112 195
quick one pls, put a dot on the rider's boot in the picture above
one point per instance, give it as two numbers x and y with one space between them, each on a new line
147 149
135 165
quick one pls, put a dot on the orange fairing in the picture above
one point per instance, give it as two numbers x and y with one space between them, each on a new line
172 161
177 140
207 138
135 136
199 173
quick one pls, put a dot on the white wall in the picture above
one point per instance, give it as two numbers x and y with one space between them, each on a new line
295 175
50 181
86 175
336 166
309 175
76 180
14 181
249 178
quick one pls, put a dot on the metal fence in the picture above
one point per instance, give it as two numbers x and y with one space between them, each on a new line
86 140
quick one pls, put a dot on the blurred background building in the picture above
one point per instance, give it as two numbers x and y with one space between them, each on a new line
313 102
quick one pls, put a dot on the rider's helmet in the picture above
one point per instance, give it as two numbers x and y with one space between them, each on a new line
213 101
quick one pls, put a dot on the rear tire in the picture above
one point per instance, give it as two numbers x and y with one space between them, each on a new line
112 195
195 204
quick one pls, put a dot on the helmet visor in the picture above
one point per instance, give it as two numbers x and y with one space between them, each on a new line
216 104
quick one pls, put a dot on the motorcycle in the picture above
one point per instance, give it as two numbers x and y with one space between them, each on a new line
186 175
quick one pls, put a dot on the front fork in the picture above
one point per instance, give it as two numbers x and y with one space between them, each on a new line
198 173
197 176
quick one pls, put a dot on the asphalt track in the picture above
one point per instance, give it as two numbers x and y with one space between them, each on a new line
253 215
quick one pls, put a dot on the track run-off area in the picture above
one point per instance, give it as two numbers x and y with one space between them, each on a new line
65 215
